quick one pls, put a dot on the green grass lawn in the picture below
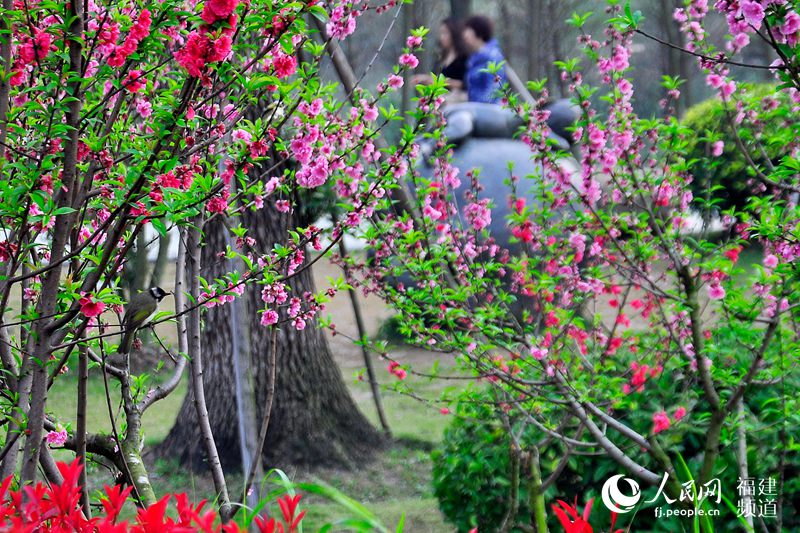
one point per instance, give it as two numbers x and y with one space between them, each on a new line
397 483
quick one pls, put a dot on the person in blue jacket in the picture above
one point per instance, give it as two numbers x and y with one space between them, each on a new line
482 85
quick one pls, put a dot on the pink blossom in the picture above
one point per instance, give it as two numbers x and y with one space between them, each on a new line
539 353
139 30
753 12
409 60
144 107
717 147
444 411
36 48
715 291
271 185
478 214
727 90
241 135
660 421
269 317
715 80
596 137
370 111
680 412
201 50
619 61
314 175
56 438
395 81
395 368
341 24
791 23
209 299
217 204
770 261
413 41
740 40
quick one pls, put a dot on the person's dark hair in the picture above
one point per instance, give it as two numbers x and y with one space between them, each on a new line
482 26
455 27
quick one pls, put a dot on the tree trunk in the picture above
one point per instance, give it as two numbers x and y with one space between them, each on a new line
534 21
314 421
460 9
675 62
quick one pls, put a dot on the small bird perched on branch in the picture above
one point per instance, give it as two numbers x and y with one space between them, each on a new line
138 313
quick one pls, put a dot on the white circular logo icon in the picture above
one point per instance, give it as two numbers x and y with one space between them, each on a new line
615 500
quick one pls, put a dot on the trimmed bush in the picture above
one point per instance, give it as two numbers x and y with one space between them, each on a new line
729 182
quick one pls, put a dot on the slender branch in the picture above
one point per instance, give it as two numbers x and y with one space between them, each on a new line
165 389
719 59
262 436
196 355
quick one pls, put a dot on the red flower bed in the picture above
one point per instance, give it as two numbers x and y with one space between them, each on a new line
41 508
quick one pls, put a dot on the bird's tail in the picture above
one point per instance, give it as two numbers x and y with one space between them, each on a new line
126 343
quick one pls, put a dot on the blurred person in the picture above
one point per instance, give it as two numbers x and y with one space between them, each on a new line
452 61
478 38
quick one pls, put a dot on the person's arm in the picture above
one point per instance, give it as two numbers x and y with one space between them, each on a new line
422 79
481 86
455 84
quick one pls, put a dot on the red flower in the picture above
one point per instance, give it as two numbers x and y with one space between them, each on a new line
217 204
57 508
7 250
268 525
114 500
139 210
201 50
215 10
89 307
285 65
523 232
36 48
661 421
570 520
156 194
134 81
288 505
139 30
733 253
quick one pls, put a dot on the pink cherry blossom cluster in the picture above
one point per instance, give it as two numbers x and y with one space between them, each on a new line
137 33
661 420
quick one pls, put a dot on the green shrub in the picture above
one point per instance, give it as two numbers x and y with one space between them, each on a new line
472 466
729 180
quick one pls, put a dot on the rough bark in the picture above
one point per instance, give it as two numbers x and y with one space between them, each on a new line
314 421
460 9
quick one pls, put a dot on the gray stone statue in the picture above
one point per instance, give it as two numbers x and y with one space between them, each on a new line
483 135
484 139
